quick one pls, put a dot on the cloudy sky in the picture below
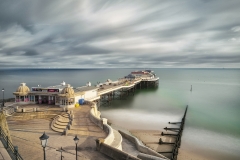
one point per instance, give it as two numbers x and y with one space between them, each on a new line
148 33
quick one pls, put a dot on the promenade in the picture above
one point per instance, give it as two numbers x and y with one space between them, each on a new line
26 130
3 153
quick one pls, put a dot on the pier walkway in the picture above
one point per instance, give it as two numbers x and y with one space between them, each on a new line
110 88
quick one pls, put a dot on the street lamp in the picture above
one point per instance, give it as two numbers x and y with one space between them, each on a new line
76 142
44 140
3 98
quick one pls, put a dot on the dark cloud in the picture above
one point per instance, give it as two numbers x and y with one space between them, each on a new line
87 50
31 52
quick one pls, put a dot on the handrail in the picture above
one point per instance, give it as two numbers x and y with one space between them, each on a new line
12 150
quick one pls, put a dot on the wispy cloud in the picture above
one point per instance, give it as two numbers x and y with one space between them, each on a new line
153 33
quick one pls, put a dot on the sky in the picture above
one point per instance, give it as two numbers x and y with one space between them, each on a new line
119 34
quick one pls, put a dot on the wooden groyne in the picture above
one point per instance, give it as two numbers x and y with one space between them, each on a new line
177 137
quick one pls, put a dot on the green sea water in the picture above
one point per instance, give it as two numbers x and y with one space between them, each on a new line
212 127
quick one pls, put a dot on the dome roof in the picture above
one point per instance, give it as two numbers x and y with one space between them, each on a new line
68 90
22 89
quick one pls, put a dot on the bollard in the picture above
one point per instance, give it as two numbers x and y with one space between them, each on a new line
23 110
34 109
15 109
99 141
104 120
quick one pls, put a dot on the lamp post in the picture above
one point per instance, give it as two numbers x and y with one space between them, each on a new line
76 142
44 140
3 98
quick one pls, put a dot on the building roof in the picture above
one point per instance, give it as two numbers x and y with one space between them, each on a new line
57 87
130 76
22 90
68 90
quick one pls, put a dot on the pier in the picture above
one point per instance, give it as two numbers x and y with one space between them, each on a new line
125 87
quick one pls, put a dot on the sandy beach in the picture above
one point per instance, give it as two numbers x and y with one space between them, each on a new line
151 138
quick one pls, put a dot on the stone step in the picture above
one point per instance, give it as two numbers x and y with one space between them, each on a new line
65 115
58 126
57 129
63 120
61 123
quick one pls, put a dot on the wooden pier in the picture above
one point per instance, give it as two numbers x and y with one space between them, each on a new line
126 88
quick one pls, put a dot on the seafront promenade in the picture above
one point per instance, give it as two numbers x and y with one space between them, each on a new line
3 153
98 140
26 128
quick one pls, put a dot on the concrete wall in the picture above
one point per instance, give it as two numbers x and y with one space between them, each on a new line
114 153
140 147
149 157
95 119
110 138
25 102
102 123
67 106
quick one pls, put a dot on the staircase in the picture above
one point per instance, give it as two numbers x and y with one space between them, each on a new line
60 122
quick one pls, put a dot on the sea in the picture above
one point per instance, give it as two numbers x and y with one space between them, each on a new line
212 127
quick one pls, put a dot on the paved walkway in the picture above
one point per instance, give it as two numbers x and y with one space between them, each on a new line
25 133
83 126
3 153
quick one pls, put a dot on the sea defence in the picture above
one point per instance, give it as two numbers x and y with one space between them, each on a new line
112 144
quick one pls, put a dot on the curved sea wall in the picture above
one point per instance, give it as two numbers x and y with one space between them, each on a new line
143 156
140 147
111 138
112 144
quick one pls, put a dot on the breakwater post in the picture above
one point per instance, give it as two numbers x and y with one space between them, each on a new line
177 137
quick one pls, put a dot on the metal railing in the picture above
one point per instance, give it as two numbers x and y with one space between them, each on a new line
11 149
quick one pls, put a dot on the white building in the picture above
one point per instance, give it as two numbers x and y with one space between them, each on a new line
63 95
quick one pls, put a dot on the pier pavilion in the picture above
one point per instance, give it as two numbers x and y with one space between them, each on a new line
63 95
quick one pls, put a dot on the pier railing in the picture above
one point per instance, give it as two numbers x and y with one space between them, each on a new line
11 149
